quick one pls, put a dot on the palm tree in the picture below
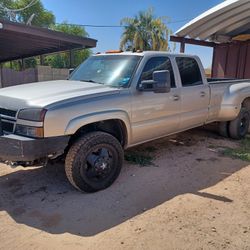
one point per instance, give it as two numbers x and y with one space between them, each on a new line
145 32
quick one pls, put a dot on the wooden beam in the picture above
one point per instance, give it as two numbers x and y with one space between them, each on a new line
43 33
182 47
22 64
22 41
41 57
71 58
37 53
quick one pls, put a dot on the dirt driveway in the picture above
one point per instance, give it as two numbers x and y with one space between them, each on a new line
192 197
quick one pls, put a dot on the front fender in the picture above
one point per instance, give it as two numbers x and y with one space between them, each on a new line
78 122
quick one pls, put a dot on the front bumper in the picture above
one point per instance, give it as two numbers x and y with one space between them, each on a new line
15 148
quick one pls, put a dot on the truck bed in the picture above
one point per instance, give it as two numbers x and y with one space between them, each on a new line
225 80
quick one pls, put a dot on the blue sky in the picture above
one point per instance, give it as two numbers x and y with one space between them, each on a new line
110 12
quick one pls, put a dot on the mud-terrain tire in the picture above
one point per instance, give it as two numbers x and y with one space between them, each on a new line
223 129
94 161
238 128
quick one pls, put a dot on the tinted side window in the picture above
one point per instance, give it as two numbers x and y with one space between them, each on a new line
189 71
155 64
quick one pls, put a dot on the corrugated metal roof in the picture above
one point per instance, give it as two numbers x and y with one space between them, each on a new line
224 21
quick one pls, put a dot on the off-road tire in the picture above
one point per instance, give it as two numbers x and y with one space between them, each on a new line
236 130
78 153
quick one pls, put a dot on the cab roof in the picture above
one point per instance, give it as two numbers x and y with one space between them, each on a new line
146 53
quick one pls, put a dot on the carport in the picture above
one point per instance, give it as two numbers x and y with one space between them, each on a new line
226 28
19 41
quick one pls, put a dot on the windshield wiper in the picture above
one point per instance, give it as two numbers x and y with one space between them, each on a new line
91 81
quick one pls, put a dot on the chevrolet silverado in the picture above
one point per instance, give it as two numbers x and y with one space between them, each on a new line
113 101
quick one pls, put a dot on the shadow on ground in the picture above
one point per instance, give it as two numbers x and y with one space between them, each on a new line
42 198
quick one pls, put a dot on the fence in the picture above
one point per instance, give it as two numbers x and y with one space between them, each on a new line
10 77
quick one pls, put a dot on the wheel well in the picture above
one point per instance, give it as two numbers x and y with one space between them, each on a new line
115 127
246 103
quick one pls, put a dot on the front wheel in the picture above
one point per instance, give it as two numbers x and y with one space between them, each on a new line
238 128
94 162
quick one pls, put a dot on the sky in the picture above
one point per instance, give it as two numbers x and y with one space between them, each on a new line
110 12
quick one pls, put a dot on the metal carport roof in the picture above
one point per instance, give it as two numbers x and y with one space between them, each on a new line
22 41
221 23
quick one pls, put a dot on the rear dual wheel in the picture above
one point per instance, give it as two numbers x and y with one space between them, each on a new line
238 128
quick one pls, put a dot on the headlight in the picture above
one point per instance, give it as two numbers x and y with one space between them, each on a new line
34 114
35 132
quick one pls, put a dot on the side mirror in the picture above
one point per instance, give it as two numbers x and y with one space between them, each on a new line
71 71
161 82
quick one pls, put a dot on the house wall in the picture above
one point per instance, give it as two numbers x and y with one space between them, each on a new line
232 60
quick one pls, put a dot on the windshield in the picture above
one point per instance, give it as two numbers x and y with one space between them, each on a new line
112 70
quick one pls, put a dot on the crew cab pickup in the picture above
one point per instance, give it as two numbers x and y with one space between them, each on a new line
112 102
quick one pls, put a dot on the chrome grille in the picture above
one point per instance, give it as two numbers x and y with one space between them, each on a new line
7 126
8 112
8 119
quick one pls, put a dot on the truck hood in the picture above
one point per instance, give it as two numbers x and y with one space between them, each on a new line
43 94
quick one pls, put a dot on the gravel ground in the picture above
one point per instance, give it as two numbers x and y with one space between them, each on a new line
191 197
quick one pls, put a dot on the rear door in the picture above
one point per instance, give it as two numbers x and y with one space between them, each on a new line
194 93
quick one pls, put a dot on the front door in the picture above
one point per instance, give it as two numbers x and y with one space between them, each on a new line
155 114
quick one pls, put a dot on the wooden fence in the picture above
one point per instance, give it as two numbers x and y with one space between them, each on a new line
10 77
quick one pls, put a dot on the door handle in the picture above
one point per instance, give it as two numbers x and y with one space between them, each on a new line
176 98
203 93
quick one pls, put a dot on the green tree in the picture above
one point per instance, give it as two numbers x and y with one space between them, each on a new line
46 19
42 17
3 12
62 60
70 29
145 31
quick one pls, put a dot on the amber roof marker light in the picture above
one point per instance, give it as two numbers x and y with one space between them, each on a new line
113 51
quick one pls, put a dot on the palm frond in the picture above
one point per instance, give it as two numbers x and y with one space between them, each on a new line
145 32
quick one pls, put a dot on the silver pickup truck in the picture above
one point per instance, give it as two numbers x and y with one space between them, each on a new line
113 101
